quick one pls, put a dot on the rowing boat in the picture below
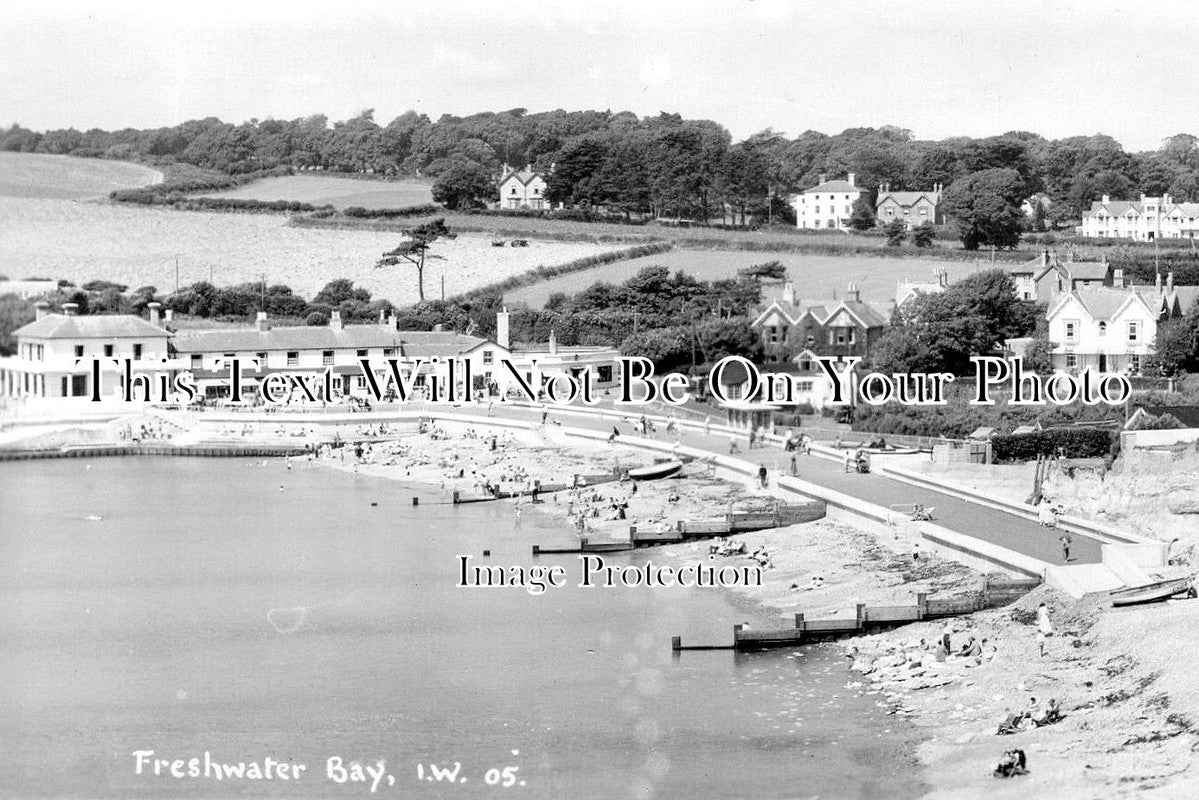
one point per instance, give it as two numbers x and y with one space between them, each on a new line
655 471
1152 592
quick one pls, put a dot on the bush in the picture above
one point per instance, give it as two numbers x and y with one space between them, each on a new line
316 319
1069 442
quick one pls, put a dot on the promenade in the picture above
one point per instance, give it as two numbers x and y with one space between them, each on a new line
995 526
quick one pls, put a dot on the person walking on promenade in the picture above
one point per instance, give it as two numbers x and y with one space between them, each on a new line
1065 542
708 425
794 466
751 438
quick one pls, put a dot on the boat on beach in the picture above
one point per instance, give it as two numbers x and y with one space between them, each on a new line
655 471
1153 592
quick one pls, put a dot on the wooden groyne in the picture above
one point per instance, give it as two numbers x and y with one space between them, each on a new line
206 451
510 490
782 515
995 592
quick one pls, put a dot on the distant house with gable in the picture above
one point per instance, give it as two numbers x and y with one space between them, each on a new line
912 208
522 189
1047 277
1143 221
827 205
839 327
906 291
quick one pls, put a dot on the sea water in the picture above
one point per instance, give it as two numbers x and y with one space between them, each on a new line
244 610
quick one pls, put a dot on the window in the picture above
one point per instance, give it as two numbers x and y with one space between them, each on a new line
1134 364
840 336
1071 330
78 351
817 209
772 334
1102 328
604 374
851 335
1134 331
327 358
261 360
137 352
362 353
488 357
1071 361
108 351
388 352
293 358
360 382
197 361
513 190
804 386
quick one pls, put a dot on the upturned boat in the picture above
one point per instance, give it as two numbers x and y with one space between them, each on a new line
1152 592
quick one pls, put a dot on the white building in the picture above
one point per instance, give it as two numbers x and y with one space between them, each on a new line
1144 221
1112 329
522 189
827 205
55 353
906 291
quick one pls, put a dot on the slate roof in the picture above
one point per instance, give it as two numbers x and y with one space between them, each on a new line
410 343
96 326
834 186
907 199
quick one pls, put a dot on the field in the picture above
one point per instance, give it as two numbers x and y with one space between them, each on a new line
139 246
335 191
815 276
66 178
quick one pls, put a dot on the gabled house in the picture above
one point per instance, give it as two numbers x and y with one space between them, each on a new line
906 291
1046 277
911 208
845 327
522 189
1144 221
1112 329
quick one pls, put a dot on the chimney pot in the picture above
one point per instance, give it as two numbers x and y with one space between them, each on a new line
154 309
70 309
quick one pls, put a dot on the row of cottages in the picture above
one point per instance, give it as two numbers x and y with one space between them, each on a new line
1144 221
1046 278
522 189
827 205
1113 328
911 208
55 352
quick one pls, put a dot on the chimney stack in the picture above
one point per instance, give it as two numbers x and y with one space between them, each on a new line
335 320
70 309
154 308
553 343
168 316
438 328
852 293
1107 198
1118 277
40 309
822 178
260 322
851 179
1169 283
789 293
1157 284
393 322
502 334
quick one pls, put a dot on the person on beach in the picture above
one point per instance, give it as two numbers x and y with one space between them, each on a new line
849 461
1065 542
751 438
612 436
762 476
733 448
794 466
1044 626
947 638
708 425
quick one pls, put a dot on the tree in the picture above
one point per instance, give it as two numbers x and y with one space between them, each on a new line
896 231
337 291
862 218
1177 345
464 186
768 271
924 234
416 250
985 206
14 312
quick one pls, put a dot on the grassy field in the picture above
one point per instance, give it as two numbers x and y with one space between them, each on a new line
336 191
40 176
815 276
139 246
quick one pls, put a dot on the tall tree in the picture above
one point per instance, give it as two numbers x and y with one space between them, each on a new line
415 251
985 206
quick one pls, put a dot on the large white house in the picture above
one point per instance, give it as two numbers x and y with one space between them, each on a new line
1112 328
827 205
522 189
55 353
1144 221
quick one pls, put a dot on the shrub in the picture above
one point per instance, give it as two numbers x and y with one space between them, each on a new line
1069 442
316 319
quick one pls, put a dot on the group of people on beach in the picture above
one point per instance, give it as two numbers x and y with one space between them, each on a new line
1034 715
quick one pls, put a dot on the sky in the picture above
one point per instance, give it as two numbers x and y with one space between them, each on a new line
962 67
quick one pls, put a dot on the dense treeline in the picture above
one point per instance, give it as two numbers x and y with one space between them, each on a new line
663 165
